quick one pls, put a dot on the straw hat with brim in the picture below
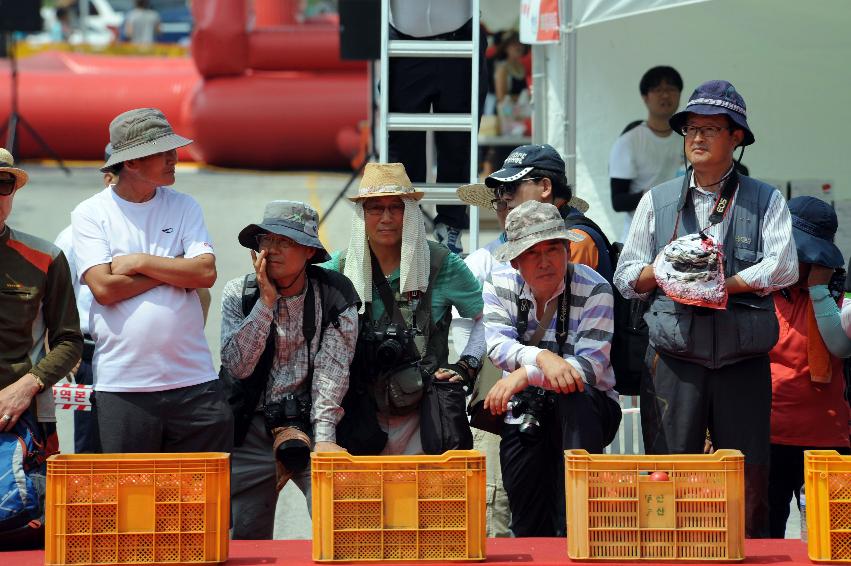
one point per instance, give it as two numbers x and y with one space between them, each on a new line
481 195
814 225
386 180
713 98
139 133
291 219
530 223
7 164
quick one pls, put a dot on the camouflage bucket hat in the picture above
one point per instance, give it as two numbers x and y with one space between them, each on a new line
530 223
291 219
139 133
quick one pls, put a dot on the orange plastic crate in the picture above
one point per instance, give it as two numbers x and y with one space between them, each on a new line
398 508
827 481
137 508
615 511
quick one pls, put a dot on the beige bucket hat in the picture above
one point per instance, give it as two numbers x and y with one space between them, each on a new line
386 180
481 195
7 164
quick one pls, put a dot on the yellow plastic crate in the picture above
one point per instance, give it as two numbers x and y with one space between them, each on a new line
137 508
615 511
827 481
398 508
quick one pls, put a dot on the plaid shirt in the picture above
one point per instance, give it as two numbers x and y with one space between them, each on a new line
244 337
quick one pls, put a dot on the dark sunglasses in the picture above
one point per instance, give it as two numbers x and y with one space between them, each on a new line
7 186
508 189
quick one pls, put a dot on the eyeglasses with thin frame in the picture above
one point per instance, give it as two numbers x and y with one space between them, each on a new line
708 132
268 241
508 189
377 210
7 186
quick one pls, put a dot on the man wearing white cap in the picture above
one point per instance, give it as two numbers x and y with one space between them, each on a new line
143 250
408 285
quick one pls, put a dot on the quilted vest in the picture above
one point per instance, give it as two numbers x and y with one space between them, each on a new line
710 337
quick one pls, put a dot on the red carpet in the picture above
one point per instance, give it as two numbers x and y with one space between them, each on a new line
500 551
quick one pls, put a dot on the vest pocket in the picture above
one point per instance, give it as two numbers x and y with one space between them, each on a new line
747 328
745 258
669 324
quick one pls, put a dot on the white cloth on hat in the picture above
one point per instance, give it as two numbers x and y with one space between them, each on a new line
414 266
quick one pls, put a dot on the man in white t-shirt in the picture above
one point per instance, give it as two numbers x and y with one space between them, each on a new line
647 154
142 24
143 250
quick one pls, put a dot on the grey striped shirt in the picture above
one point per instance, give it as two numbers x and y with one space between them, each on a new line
778 268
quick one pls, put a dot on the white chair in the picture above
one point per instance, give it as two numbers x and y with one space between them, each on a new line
628 440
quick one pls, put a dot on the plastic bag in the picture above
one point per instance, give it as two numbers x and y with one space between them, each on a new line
690 270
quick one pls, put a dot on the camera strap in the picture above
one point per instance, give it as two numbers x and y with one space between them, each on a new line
722 201
562 306
385 292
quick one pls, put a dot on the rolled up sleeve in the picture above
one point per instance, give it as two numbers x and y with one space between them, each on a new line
637 250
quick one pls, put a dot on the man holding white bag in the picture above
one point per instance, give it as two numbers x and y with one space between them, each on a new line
709 367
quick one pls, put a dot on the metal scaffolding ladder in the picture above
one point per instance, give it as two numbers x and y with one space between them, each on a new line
435 193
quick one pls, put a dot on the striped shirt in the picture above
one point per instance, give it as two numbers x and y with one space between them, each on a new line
590 325
779 265
244 338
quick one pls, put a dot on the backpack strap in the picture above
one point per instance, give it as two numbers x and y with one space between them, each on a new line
336 295
309 326
250 293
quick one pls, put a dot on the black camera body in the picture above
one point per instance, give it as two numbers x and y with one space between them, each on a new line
288 422
531 406
290 410
389 346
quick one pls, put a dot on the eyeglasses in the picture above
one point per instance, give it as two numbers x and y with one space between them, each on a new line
7 186
268 241
508 189
707 132
499 205
377 210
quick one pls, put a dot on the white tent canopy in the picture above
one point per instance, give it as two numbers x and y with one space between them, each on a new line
788 59
589 12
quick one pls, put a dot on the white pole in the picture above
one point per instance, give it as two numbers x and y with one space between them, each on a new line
385 82
540 93
474 124
568 37
84 20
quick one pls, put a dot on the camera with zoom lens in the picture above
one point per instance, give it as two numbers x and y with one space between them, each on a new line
531 406
390 347
288 421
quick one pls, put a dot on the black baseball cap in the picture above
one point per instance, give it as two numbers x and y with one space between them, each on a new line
523 160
